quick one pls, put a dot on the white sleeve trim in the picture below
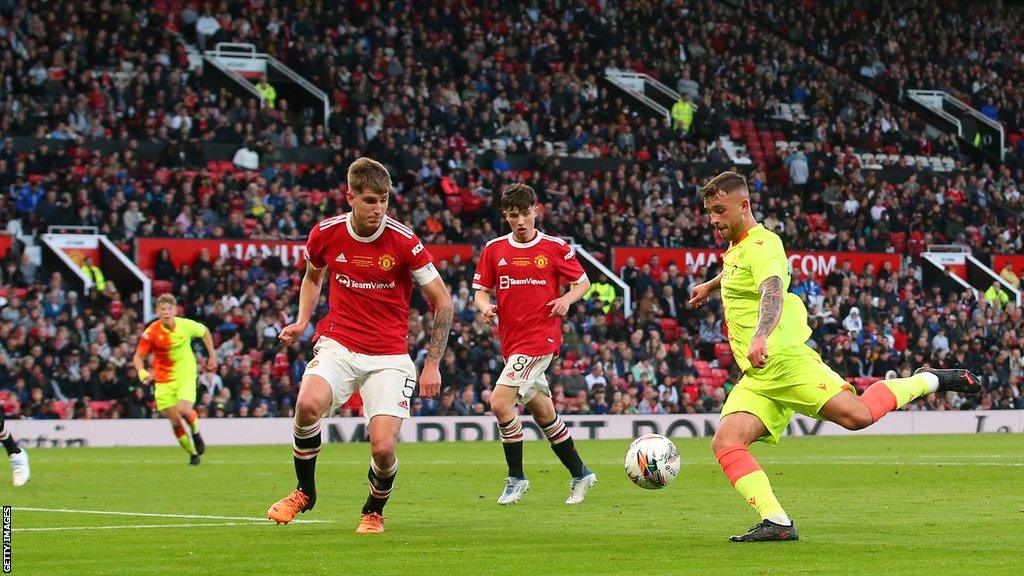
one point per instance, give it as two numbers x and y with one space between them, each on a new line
580 279
426 274
478 286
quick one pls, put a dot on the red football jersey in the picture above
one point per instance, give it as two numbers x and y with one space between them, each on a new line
526 277
370 283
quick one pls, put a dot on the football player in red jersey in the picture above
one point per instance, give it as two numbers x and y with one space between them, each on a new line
370 261
526 271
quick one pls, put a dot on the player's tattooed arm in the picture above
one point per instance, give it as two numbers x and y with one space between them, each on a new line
770 309
439 334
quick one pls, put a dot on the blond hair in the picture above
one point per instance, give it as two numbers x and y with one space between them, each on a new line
368 175
166 299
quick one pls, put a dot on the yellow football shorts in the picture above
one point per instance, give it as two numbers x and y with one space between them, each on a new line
170 393
793 380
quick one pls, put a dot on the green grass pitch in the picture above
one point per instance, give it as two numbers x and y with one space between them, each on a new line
936 505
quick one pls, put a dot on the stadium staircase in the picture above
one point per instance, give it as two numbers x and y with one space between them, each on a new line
238 66
954 266
64 249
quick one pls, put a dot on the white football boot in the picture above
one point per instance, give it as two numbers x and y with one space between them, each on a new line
19 468
514 490
578 487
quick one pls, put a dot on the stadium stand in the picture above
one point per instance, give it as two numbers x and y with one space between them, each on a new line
107 123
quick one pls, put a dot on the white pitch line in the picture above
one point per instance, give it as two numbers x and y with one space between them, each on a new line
929 460
154 515
891 463
134 526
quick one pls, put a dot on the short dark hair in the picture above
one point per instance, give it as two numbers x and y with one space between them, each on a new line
517 197
725 183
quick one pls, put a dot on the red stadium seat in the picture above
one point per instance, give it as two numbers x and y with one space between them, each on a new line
719 375
722 348
100 408
864 381
703 368
162 287
669 328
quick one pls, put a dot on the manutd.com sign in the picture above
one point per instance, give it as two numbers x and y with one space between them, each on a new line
802 262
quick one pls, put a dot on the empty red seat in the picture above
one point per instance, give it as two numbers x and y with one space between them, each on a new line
669 328
719 375
162 287
864 381
703 368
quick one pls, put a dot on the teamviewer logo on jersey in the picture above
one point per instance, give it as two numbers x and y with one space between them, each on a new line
505 282
347 282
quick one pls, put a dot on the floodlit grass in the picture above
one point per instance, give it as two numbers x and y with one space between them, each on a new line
936 505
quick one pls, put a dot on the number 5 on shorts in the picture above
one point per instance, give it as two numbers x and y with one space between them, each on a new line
407 390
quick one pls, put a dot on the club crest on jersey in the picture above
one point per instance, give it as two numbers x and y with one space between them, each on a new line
312 364
541 261
386 262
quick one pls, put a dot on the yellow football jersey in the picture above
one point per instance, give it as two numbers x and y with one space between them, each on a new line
756 256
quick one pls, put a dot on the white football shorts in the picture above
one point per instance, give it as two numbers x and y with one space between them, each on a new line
385 383
527 374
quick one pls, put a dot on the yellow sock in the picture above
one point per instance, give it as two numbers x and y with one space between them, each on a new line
193 421
757 491
907 389
185 440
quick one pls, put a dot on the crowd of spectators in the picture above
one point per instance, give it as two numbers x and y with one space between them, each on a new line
974 51
60 345
437 76
420 90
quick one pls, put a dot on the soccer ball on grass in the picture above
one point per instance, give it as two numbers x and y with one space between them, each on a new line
652 461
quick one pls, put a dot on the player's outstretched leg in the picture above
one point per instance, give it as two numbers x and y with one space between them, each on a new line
383 431
314 398
192 418
583 479
503 402
885 396
19 458
730 444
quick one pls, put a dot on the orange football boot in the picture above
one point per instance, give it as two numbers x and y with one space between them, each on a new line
371 523
284 510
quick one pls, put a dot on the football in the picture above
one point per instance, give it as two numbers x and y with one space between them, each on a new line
652 461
